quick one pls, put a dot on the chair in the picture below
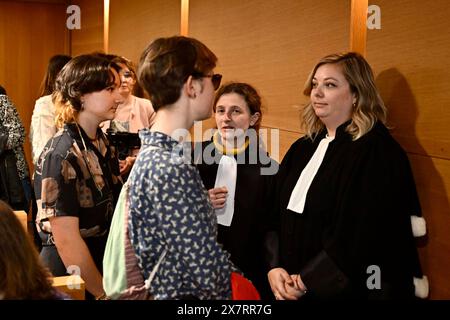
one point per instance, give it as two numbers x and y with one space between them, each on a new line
23 218
72 285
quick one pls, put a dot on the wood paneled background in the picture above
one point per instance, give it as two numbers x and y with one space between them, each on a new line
133 24
409 55
30 33
90 37
273 45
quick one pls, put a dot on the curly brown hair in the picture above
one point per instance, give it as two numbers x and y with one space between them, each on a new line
81 75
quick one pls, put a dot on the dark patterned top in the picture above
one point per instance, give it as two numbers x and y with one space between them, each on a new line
72 182
12 134
245 238
169 208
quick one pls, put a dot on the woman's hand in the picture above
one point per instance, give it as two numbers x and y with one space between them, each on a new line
126 165
298 284
218 196
283 286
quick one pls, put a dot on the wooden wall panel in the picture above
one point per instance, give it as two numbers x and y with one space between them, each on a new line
90 37
433 184
282 144
409 55
133 27
272 45
358 30
30 33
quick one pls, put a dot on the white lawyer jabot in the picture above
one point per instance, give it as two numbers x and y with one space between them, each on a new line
298 195
226 176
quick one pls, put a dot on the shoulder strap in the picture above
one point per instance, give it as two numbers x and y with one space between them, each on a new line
155 269
161 258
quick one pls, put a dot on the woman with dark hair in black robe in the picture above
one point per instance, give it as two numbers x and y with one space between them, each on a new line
236 170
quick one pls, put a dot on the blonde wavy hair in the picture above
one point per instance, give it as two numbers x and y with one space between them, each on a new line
369 107
81 75
64 111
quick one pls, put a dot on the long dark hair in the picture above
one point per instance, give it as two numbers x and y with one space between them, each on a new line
55 64
22 276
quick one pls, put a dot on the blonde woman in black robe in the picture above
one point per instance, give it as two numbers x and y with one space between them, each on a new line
345 196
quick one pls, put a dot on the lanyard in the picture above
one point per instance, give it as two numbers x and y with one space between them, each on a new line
88 163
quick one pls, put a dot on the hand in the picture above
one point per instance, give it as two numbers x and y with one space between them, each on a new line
282 285
218 196
299 285
103 296
126 165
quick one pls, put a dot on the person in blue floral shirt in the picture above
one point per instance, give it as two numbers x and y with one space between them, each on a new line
171 219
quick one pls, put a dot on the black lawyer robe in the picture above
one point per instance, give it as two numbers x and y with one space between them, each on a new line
244 238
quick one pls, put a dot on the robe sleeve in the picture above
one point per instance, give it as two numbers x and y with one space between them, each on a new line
272 237
270 223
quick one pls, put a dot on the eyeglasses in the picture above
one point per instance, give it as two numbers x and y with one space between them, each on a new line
215 79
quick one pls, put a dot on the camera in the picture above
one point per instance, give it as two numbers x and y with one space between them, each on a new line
124 142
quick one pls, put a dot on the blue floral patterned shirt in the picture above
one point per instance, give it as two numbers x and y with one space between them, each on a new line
169 209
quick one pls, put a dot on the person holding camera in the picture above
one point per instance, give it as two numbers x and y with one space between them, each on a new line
131 116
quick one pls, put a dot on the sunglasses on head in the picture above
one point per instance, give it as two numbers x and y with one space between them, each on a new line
215 79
